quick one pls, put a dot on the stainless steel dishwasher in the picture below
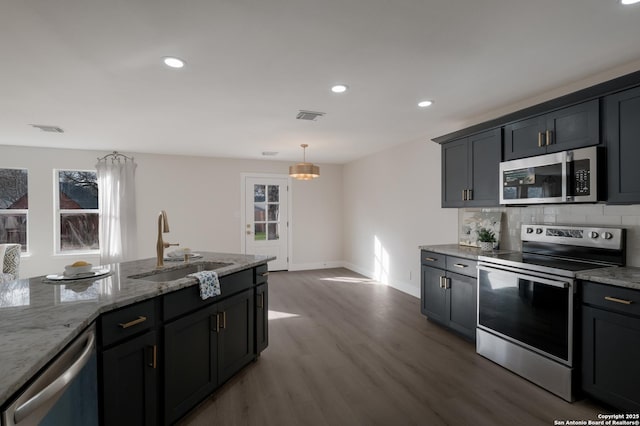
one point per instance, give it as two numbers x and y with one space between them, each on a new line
64 393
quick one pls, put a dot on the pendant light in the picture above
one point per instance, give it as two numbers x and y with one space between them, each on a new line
304 170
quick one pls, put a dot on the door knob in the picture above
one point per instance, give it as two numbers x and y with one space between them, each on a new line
248 232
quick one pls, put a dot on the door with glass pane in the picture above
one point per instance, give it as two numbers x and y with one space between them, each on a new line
266 226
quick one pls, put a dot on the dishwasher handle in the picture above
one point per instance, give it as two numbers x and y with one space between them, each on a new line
58 384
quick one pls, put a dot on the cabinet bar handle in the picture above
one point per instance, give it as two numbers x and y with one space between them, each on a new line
217 323
469 194
261 300
460 265
549 137
134 322
443 282
615 299
266 274
540 139
430 259
464 194
224 319
155 356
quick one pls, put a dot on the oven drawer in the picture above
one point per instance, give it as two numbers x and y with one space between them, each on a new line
430 258
462 266
611 298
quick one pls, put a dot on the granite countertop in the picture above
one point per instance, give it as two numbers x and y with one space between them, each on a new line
466 252
38 319
627 276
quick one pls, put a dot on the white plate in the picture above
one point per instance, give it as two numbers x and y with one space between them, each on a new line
95 273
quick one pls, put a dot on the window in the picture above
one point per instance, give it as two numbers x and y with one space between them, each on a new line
14 205
266 209
77 205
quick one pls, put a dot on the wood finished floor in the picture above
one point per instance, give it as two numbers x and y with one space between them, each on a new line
357 353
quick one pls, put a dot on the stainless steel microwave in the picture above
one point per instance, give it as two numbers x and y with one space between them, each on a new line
561 177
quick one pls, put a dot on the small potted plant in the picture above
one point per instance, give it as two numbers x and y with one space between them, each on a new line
486 237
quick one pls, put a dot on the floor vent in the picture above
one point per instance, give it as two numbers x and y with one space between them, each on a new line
309 115
45 128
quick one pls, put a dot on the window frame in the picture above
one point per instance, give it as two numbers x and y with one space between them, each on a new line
58 212
25 251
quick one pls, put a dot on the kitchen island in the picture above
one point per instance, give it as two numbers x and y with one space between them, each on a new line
38 319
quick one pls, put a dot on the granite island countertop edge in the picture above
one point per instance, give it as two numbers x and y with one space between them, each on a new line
50 330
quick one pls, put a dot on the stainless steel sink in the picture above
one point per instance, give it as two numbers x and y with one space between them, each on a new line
179 272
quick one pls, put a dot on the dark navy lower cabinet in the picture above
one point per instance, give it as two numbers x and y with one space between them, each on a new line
159 358
129 382
611 345
448 297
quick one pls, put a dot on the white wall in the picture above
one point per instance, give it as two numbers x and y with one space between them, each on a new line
394 195
391 206
201 196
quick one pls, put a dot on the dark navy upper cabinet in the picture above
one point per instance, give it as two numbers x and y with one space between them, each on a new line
622 139
470 170
568 128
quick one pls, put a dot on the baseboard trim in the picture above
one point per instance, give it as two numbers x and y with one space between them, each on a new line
318 265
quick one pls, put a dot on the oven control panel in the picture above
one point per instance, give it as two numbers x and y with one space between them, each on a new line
585 236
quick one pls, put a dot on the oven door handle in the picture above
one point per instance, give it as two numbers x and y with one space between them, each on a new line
518 274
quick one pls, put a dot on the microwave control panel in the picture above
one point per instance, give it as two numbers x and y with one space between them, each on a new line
581 177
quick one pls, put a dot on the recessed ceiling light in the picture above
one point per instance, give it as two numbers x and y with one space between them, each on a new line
629 1
425 104
339 88
173 62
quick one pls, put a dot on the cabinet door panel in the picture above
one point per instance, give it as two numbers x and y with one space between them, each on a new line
611 350
462 304
521 138
433 297
622 137
455 165
129 380
262 317
485 150
236 338
574 127
190 361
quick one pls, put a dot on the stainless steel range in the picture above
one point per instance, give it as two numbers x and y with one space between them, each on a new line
527 301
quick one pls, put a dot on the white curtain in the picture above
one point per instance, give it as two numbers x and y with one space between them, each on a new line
116 189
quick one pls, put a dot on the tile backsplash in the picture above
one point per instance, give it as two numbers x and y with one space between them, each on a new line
570 214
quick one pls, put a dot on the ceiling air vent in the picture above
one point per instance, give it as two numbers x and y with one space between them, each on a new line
309 115
269 153
45 128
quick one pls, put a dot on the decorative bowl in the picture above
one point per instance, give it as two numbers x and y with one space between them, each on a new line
71 270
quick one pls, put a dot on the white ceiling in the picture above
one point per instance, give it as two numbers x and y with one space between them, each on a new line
93 68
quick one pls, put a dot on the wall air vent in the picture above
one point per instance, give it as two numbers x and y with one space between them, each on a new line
309 115
45 128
